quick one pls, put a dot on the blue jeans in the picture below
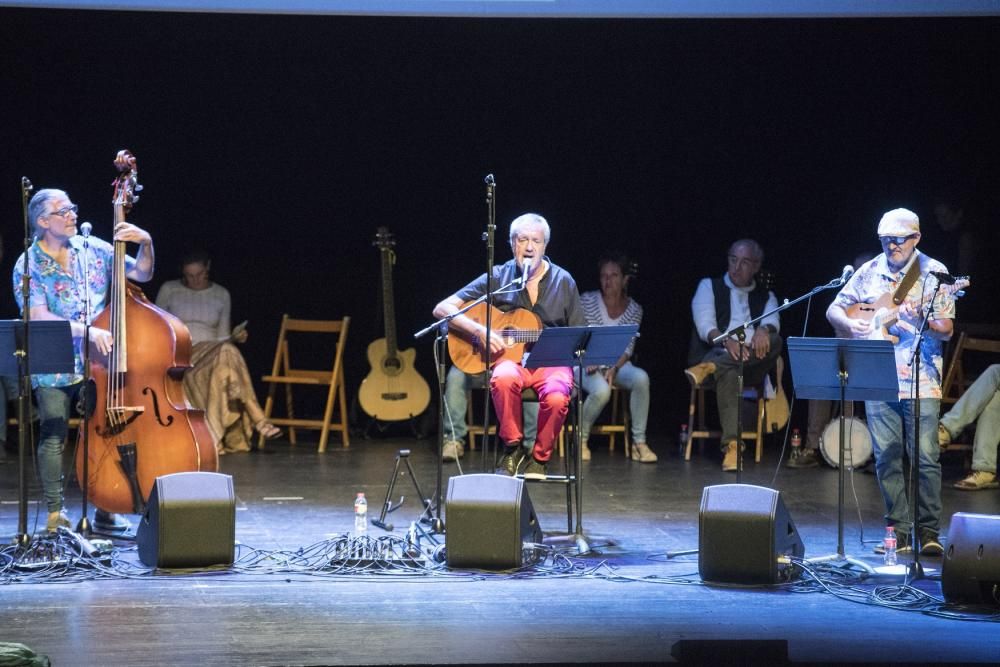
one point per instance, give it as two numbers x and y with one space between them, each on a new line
886 423
53 412
629 377
456 387
981 404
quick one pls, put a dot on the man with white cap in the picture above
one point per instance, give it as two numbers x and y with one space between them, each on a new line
892 423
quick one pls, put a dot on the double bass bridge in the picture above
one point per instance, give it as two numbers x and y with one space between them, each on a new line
118 419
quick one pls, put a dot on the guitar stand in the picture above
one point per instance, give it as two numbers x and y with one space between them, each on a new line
383 426
426 516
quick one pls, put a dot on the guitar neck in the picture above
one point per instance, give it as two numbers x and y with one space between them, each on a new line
388 305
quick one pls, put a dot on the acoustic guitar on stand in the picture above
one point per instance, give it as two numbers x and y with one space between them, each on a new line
393 390
517 328
883 313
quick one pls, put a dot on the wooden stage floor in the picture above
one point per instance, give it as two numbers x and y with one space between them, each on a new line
626 602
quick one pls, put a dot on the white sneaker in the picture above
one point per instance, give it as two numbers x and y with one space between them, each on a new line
452 451
642 453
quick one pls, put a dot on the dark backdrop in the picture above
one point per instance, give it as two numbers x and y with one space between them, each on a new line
281 143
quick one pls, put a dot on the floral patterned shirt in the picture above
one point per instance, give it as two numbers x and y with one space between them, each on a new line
63 293
873 279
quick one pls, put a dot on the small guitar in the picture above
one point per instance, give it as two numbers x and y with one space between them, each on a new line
517 328
777 407
393 390
883 313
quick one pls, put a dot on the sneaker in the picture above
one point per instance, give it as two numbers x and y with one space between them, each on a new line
807 458
699 372
110 522
56 521
512 459
642 453
535 469
944 437
452 450
929 545
730 457
977 480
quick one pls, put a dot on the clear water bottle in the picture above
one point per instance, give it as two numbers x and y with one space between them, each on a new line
796 443
682 439
889 544
360 513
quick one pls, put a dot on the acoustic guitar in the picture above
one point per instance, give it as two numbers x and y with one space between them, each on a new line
393 390
517 328
883 313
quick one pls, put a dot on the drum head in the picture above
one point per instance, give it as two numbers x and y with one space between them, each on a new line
857 442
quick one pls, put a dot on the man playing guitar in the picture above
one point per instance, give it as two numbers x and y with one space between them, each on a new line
549 292
905 273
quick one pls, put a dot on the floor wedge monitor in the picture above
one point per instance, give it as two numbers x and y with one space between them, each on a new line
743 530
970 572
488 520
190 521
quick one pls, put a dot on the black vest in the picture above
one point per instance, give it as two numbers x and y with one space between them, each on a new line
757 298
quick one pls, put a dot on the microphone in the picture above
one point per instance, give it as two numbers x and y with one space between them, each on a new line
846 274
85 229
526 269
944 278
489 180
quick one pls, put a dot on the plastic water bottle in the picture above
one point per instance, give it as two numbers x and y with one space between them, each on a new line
796 444
889 544
360 513
682 439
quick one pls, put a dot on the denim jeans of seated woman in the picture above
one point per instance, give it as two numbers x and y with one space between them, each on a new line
629 377
886 423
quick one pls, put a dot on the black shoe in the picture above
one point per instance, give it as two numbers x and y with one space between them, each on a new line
110 522
535 469
929 545
512 459
807 458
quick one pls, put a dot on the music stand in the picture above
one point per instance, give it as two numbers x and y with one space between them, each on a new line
51 346
845 370
580 347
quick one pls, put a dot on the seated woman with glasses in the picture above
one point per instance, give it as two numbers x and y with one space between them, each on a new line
219 382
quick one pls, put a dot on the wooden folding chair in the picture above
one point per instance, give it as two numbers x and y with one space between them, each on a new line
285 374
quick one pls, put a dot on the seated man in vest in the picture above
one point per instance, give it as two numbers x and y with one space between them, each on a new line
719 304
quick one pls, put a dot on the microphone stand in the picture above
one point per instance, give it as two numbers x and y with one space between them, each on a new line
23 538
488 237
915 570
83 526
739 331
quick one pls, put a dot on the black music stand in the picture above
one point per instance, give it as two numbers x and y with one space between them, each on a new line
845 370
579 347
51 346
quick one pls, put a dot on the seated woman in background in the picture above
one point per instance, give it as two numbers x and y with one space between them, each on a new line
613 306
219 382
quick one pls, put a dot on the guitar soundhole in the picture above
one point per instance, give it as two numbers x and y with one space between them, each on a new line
392 366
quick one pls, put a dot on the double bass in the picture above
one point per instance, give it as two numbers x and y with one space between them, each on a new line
141 425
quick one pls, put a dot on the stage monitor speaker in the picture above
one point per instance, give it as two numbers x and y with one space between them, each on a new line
742 530
488 520
190 521
970 572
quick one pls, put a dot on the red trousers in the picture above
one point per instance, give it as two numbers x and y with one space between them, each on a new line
553 386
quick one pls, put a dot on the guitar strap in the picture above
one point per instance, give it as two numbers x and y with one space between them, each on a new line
911 277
